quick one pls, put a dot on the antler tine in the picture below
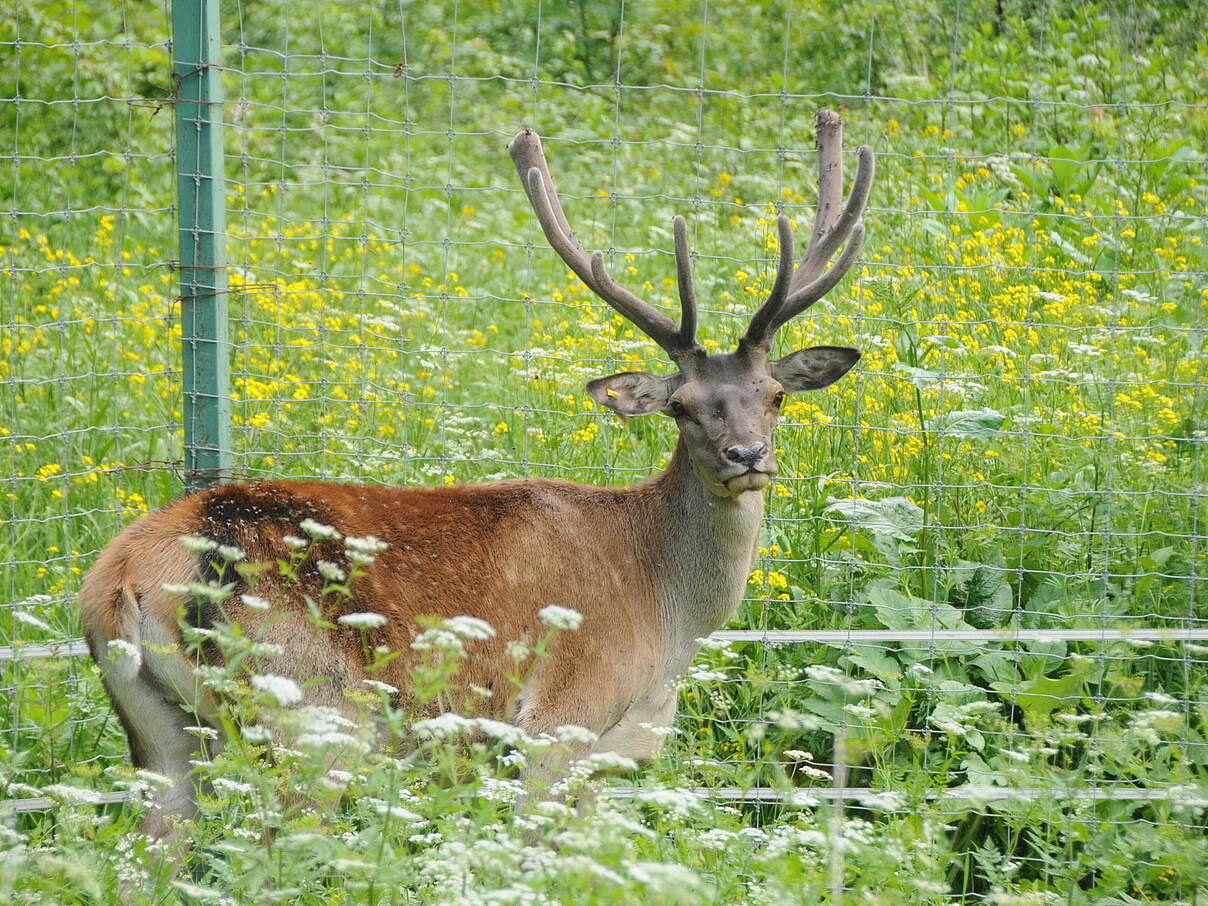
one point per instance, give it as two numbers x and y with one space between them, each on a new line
829 133
652 322
823 246
833 227
760 330
529 159
687 294
803 298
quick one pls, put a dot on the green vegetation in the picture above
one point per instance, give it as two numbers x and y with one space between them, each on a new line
1019 447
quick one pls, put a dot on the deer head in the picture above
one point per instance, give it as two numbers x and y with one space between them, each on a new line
725 404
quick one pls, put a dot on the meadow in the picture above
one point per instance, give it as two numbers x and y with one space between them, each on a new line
1018 448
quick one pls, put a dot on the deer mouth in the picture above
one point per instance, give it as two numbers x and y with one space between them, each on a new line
747 481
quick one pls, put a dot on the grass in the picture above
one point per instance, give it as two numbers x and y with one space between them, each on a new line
1018 448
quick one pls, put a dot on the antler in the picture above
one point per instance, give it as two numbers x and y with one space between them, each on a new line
796 289
534 174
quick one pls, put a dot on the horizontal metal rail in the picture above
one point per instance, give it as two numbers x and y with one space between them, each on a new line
806 796
801 797
43 803
65 648
78 648
867 636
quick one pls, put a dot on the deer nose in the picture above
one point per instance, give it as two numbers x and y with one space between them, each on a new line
748 456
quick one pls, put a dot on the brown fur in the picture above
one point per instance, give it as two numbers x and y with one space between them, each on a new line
499 551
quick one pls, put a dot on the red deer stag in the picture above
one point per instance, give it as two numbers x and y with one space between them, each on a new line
651 568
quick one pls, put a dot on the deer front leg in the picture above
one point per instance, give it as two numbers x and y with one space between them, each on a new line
577 708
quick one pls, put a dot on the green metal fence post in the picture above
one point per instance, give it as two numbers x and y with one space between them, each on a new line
203 279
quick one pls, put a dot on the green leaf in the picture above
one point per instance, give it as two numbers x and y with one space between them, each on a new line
981 774
895 517
1040 697
896 610
978 423
874 660
920 377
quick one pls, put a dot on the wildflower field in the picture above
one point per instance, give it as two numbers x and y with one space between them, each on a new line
1019 447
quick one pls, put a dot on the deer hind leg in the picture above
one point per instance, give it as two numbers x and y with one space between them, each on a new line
157 706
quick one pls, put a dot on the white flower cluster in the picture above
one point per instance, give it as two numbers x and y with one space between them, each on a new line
255 602
471 628
330 571
451 633
204 590
380 686
574 734
883 801
30 620
517 650
281 689
327 728
718 646
443 726
71 795
611 761
658 730
438 639
557 617
335 779
363 620
398 813
450 725
226 785
666 877
703 674
831 676
256 733
494 789
319 531
508 734
364 551
196 544
1149 725
824 674
120 649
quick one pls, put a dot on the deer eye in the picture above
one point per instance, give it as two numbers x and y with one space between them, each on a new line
778 399
676 408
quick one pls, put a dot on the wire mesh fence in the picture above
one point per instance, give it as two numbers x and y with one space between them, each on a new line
981 560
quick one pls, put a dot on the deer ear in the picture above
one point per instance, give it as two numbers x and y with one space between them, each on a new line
814 368
634 392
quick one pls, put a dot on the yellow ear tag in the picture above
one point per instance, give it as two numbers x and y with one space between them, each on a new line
612 394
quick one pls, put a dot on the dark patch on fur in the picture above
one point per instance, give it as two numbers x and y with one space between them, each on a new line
249 504
237 515
200 611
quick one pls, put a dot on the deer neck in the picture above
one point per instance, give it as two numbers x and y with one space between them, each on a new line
704 550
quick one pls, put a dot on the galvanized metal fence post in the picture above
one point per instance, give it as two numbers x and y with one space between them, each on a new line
200 189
